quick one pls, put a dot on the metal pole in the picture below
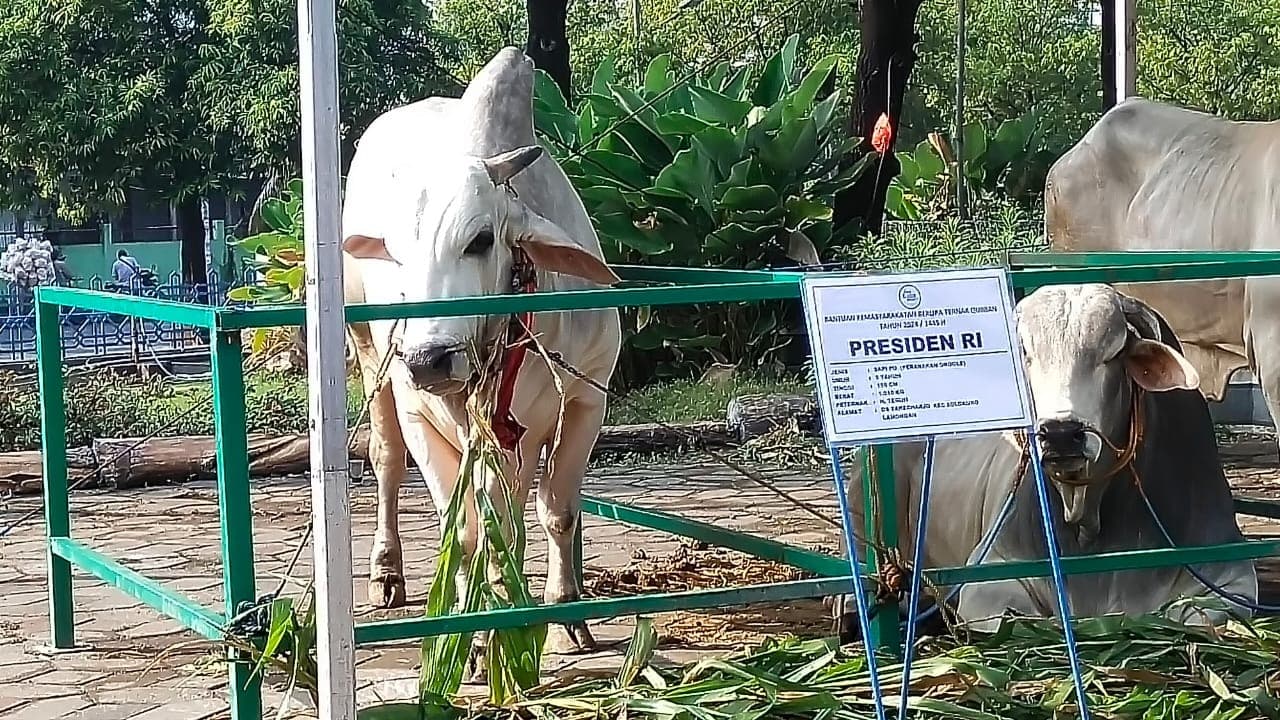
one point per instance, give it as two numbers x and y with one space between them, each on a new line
957 140
326 369
635 29
1126 48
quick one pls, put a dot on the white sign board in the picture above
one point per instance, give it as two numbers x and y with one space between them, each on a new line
915 354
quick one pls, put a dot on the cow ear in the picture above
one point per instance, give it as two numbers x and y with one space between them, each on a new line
366 248
504 166
1156 367
551 249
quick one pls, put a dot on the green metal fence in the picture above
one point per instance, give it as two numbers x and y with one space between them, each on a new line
642 286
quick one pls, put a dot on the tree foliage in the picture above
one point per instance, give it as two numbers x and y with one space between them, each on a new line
182 96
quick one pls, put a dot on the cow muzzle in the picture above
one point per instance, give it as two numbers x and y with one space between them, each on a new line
1063 446
438 368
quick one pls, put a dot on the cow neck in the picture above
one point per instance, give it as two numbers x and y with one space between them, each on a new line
1125 456
524 280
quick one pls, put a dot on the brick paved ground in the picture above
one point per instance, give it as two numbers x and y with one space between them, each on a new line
134 664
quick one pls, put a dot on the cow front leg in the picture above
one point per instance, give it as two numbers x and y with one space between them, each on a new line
387 455
559 506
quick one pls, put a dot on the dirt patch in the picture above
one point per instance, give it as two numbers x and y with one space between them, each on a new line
697 566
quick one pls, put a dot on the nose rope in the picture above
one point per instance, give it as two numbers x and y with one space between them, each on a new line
1124 455
524 279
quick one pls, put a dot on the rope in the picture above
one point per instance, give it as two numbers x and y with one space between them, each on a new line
1127 458
97 470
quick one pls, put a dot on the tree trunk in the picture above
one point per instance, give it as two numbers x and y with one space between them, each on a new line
1108 64
191 235
885 62
548 45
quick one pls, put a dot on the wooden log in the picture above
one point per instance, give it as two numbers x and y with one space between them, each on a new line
751 416
21 473
131 463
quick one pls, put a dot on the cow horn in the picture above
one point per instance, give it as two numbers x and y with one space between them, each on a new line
1142 317
504 166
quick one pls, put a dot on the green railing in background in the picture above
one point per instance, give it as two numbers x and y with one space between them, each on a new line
642 286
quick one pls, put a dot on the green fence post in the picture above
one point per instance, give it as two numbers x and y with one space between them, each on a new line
234 508
880 510
53 430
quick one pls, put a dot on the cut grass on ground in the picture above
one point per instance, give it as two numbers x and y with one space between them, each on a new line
693 401
116 406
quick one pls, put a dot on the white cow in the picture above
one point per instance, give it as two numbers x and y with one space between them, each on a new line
1097 363
1150 176
427 216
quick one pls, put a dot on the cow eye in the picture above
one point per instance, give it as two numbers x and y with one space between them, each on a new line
480 244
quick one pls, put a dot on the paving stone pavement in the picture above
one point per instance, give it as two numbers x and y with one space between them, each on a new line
132 663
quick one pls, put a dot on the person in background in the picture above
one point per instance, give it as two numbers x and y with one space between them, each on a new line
61 275
125 269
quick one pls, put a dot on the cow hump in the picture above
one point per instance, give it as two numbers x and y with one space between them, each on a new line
497 106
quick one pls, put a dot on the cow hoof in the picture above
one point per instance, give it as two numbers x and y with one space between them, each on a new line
477 669
847 628
386 590
569 639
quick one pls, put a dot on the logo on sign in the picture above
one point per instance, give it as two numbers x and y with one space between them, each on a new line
909 297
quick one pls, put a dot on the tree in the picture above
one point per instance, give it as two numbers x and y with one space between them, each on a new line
183 96
885 60
548 44
693 33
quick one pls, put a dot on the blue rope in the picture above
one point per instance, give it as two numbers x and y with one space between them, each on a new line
1230 597
917 573
983 548
864 620
1059 580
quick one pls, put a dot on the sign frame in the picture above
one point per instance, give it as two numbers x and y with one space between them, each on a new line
815 282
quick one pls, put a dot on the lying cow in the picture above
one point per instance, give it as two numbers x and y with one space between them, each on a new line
1150 176
1094 357
428 215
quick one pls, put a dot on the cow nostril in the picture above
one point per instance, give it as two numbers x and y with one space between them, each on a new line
1063 434
430 362
438 358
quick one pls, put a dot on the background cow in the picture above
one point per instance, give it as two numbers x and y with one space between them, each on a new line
1089 349
1150 176
426 216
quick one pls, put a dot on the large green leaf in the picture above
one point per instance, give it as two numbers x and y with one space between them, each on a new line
776 78
929 164
720 147
275 215
718 75
975 141
794 148
657 77
1009 142
824 111
587 125
623 169
735 236
551 115
643 114
755 197
718 108
690 175
608 198
644 144
680 124
619 228
806 92
604 76
735 85
607 110
802 210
